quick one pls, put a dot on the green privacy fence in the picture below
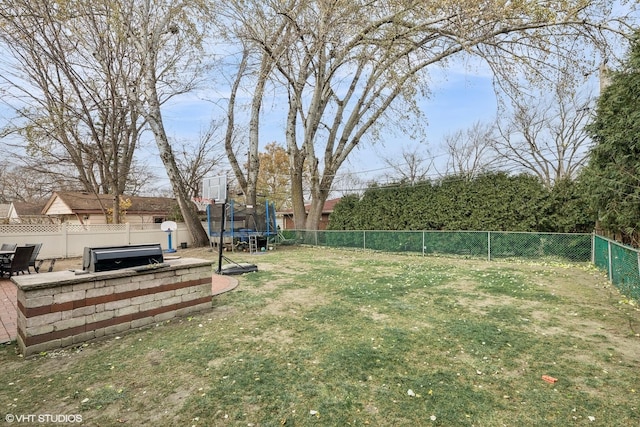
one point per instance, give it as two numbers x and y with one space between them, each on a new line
477 244
622 264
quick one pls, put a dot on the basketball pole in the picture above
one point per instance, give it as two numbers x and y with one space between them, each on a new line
224 214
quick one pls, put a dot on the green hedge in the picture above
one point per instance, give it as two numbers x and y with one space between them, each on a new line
493 201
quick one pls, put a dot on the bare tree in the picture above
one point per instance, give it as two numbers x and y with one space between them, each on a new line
252 75
165 37
67 77
103 70
200 159
414 166
142 180
347 183
469 151
545 135
352 68
23 184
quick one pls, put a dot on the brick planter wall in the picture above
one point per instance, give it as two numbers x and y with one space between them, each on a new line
62 309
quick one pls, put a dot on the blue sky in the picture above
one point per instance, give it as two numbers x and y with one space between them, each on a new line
455 104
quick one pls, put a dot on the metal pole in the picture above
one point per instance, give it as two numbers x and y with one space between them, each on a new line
233 221
224 208
266 217
610 261
638 258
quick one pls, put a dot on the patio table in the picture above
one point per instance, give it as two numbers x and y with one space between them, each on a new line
6 254
5 257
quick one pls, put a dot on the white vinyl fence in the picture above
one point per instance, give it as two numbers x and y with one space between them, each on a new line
69 240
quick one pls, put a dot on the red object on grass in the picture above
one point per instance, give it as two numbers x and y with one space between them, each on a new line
549 379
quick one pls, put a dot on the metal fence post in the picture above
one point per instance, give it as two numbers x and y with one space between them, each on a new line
423 242
364 239
610 260
489 245
638 257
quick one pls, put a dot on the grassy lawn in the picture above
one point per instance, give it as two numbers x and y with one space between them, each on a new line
333 337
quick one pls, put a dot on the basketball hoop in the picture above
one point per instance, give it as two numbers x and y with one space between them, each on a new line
214 188
202 203
169 227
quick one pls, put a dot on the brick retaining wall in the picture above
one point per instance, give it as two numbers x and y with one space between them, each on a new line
62 309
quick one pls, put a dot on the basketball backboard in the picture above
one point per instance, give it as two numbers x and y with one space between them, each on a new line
215 188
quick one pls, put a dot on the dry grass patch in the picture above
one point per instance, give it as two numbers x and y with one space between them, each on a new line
335 337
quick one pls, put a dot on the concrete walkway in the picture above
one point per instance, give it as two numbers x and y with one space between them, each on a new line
9 303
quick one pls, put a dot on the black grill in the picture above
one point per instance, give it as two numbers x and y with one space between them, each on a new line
107 258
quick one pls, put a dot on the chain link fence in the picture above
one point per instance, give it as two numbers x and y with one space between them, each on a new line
622 264
475 244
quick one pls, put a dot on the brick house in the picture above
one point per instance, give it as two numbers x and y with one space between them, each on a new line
286 217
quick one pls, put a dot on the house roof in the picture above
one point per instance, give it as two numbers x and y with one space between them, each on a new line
5 208
28 208
327 208
85 203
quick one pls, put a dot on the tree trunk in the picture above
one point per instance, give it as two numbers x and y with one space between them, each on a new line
187 207
253 168
296 171
148 42
115 217
320 192
230 133
315 212
247 179
180 190
297 199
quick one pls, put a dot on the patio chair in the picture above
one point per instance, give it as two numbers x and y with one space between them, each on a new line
34 255
19 262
